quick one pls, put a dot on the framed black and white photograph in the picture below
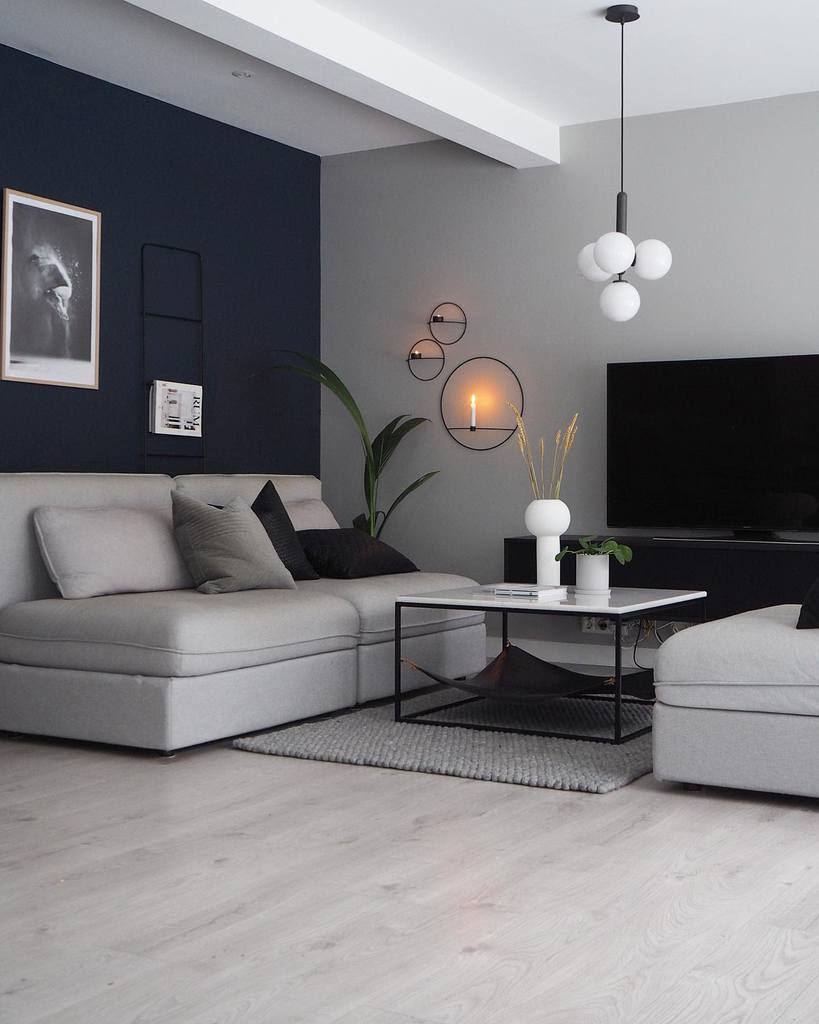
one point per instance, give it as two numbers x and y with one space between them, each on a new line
51 292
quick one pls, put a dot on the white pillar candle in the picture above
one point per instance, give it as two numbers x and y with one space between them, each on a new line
473 413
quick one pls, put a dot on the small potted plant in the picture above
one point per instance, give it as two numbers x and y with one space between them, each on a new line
592 556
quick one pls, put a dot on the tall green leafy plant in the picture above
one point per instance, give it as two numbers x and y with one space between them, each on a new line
377 451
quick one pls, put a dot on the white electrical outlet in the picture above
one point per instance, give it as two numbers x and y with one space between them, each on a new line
596 624
603 626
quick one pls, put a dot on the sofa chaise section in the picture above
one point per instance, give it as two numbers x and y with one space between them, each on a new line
167 713
177 632
738 704
173 669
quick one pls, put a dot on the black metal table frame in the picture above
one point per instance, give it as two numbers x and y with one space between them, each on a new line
418 717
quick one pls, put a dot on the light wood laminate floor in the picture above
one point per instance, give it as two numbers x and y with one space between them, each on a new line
232 887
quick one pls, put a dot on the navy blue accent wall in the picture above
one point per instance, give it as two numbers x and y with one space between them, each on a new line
160 174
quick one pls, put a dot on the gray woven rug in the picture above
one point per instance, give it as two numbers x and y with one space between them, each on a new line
370 736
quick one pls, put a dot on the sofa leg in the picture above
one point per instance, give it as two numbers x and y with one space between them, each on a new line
167 755
692 787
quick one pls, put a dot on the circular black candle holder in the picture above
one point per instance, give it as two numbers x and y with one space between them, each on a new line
426 359
494 384
447 323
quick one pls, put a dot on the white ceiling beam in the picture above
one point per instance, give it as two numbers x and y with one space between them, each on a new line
322 46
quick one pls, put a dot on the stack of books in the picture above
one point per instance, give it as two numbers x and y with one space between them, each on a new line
533 591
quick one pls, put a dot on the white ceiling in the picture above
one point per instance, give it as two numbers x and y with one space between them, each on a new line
348 57
500 75
112 40
560 58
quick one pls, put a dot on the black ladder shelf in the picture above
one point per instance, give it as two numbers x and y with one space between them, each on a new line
173 345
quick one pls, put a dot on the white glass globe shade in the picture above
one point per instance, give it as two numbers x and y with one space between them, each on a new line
619 301
587 267
614 252
653 259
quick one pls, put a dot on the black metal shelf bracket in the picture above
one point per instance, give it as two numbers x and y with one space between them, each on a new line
150 450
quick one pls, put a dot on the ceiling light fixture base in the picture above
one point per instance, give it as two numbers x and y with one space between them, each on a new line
622 14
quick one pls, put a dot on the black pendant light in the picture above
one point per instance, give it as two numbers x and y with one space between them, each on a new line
614 253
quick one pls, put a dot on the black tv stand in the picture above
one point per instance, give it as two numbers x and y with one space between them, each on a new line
739 574
737 537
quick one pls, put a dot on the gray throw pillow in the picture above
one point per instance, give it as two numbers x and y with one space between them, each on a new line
226 549
89 552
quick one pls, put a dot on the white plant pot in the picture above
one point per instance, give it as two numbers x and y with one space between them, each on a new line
547 519
592 578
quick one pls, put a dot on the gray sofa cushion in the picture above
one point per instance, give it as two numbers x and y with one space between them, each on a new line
311 514
177 633
374 600
226 549
756 661
89 552
220 488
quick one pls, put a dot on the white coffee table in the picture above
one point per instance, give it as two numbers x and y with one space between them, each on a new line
623 604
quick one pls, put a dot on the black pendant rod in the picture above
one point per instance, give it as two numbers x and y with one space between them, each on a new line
621 223
622 96
622 14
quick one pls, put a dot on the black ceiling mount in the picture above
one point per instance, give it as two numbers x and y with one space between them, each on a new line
622 14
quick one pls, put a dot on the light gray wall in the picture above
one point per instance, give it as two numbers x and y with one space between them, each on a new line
733 191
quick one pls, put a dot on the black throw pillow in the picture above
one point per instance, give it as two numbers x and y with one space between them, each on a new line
351 554
809 615
273 516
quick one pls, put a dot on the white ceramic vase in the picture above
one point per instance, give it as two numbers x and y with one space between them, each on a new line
592 578
547 519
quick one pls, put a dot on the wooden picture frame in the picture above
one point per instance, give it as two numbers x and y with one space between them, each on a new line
50 292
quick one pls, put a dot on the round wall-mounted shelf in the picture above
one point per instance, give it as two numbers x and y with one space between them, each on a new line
426 359
493 384
447 323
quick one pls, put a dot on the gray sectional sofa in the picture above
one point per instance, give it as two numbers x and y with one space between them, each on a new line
171 669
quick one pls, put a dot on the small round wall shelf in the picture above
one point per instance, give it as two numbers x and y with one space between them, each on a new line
426 359
447 323
475 403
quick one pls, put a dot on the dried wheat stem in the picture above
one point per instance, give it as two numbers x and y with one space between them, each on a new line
564 440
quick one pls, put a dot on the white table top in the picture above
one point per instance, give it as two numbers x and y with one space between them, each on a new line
622 601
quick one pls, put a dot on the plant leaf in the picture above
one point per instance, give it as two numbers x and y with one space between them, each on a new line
376 453
318 371
391 436
382 444
407 490
315 370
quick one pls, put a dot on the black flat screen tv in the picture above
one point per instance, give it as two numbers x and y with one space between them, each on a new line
714 444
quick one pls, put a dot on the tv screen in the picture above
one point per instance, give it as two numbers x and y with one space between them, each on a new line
727 444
